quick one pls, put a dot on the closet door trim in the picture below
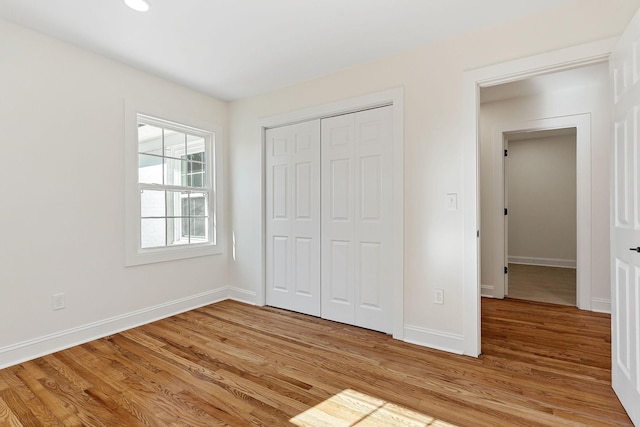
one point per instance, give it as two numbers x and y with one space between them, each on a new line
395 98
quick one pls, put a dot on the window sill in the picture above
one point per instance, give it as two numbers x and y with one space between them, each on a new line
151 256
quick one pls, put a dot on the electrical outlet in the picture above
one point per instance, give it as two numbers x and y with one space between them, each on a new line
438 296
58 301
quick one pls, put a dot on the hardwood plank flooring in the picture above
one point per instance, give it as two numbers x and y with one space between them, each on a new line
232 364
543 284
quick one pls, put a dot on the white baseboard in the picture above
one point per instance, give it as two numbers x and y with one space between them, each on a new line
439 340
242 295
601 305
31 349
486 291
543 262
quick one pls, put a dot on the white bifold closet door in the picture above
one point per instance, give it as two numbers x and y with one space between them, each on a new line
329 218
293 217
357 198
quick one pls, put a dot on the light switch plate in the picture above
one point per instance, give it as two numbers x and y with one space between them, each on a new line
452 201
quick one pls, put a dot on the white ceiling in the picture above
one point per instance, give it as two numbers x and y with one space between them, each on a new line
233 49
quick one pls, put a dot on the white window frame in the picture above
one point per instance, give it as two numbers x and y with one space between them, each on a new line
134 253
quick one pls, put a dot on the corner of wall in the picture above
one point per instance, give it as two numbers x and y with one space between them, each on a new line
486 291
601 305
242 295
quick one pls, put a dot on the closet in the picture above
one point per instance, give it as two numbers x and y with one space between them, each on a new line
329 226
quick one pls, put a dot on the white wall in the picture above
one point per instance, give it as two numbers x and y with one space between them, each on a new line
593 99
541 181
62 175
62 191
433 80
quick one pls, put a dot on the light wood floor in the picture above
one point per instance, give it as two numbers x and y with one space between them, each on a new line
234 364
543 284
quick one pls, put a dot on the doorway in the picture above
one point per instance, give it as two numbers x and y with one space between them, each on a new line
476 226
540 195
547 106
621 63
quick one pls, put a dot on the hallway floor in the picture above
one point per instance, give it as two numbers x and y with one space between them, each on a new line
542 284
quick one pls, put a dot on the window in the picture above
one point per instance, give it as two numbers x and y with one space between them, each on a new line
175 190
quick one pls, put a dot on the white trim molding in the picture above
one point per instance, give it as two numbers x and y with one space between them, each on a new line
582 124
486 291
134 110
242 295
439 340
543 262
601 305
31 349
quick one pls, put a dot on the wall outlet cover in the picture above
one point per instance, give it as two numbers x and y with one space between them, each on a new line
58 301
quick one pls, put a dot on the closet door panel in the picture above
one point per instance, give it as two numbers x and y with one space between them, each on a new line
278 260
373 225
293 217
356 218
328 218
338 206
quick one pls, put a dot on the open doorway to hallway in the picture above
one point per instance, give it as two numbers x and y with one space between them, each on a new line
540 227
521 242
611 180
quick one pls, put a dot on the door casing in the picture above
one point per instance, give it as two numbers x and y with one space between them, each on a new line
559 60
582 123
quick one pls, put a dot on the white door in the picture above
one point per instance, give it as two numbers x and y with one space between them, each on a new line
357 236
293 217
625 223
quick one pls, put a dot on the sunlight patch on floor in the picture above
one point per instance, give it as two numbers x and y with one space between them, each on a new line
351 408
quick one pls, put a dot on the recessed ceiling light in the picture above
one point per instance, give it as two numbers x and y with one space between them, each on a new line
138 5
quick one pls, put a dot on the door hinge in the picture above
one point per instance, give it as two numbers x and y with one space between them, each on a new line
505 211
506 152
506 270
477 233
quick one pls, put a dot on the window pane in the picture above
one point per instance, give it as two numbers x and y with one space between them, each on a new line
185 226
197 157
197 180
149 169
185 208
198 205
174 143
175 172
152 203
152 233
199 230
195 146
149 139
177 203
175 230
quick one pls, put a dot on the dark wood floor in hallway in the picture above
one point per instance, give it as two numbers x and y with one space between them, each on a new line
235 364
